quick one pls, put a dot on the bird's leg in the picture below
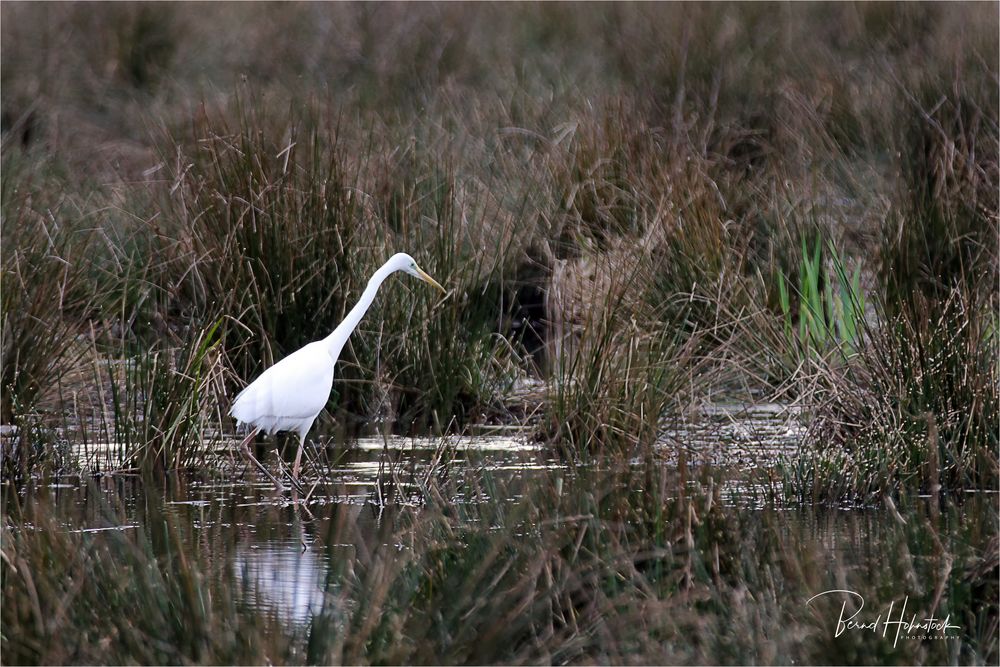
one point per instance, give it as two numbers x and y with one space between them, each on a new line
298 458
245 447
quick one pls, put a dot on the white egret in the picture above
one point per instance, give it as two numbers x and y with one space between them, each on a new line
289 395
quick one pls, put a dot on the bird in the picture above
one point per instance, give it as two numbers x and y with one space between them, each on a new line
289 395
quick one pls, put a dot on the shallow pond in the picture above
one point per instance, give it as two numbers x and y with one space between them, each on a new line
286 552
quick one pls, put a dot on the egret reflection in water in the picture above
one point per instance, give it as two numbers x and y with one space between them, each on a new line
282 576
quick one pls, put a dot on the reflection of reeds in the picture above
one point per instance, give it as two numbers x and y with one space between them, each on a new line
619 565
85 597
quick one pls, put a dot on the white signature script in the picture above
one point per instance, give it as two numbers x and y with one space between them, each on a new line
924 627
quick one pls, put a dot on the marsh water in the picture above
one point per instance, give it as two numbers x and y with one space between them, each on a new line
281 547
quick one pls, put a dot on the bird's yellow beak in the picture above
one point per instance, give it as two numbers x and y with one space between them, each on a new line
427 279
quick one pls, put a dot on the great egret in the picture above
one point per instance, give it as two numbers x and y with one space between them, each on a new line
289 395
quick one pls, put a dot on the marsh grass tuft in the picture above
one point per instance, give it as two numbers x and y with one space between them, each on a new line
619 368
916 410
831 304
45 286
157 405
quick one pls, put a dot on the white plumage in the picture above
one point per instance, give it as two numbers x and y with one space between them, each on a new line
275 402
289 395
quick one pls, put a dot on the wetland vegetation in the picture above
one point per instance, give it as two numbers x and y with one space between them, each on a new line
721 332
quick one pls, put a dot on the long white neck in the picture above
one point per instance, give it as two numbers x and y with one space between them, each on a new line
335 341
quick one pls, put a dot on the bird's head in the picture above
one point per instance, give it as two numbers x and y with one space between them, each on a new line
403 262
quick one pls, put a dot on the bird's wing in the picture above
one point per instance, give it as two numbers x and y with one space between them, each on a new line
297 387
